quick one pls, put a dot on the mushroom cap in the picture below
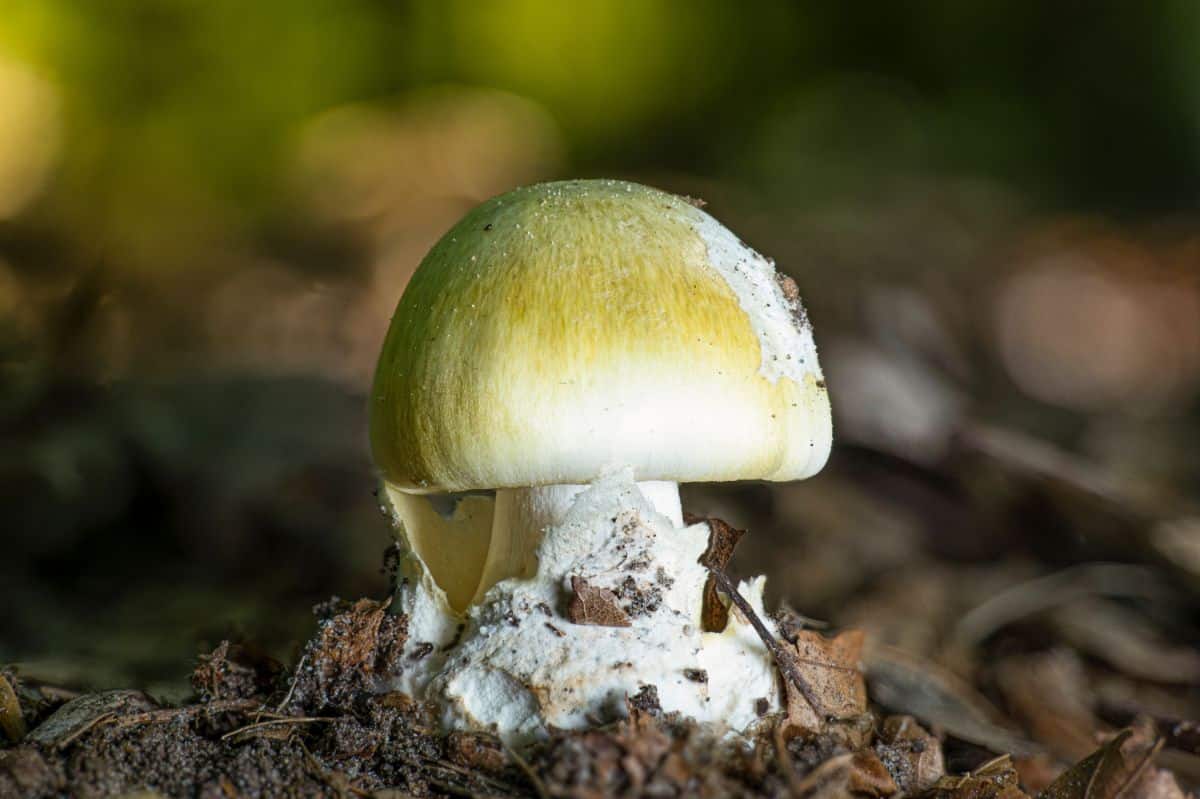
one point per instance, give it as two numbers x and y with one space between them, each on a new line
564 329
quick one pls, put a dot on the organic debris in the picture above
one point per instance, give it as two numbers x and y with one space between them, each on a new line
12 722
830 667
593 605
333 727
722 539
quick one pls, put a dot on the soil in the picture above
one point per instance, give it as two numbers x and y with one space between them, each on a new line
327 727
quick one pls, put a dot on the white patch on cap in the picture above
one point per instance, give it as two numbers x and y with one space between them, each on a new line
787 345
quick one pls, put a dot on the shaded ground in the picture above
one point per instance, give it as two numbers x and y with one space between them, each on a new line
1065 662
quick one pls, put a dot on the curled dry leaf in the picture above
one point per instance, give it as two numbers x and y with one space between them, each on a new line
1114 770
856 774
593 605
830 667
722 539
996 779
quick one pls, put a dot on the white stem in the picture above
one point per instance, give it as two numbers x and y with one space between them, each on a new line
523 514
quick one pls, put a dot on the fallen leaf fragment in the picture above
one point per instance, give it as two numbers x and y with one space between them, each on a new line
996 779
1114 770
856 774
911 755
1048 692
594 605
830 667
78 716
722 539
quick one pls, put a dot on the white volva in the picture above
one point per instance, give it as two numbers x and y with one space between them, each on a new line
519 666
580 348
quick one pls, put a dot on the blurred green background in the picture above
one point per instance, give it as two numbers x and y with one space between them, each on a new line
208 210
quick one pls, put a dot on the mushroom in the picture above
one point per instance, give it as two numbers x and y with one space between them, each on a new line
580 348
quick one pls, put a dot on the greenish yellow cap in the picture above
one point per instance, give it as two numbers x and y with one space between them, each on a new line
565 329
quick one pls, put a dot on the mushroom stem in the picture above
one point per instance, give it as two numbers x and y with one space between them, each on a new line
523 514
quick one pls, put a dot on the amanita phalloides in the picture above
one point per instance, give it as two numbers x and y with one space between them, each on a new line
561 360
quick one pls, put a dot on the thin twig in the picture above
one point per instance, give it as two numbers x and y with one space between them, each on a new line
786 663
274 723
292 688
172 713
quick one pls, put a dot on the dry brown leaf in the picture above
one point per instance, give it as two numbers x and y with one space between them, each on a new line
593 605
1048 692
856 774
911 754
996 779
1113 771
76 717
1038 771
830 667
722 539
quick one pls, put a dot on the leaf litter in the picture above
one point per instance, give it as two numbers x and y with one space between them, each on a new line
1028 705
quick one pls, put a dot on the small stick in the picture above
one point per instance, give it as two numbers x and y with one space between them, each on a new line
783 659
274 722
292 688
172 713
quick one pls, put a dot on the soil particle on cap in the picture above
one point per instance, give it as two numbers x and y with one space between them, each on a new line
791 297
696 675
646 700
